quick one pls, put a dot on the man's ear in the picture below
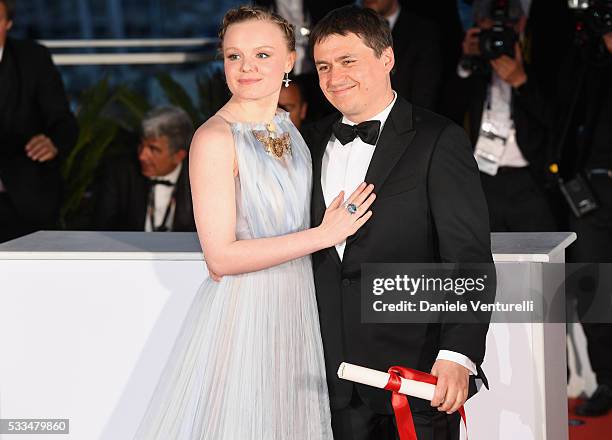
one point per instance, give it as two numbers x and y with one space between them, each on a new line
388 58
180 156
9 25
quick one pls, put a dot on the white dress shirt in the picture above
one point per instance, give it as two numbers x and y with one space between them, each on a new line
497 112
344 167
163 194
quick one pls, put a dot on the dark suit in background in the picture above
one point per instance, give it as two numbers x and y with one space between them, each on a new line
418 59
515 196
122 193
445 14
32 102
429 208
529 110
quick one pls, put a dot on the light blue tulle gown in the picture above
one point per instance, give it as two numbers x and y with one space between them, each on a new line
248 363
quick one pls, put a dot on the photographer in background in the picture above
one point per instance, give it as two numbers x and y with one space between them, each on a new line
506 117
582 160
37 131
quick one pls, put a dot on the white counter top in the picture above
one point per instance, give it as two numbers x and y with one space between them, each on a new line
92 245
102 245
534 247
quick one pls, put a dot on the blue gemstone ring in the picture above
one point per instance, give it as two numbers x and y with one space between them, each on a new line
351 208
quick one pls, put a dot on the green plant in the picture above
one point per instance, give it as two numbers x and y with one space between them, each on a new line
96 132
177 95
212 93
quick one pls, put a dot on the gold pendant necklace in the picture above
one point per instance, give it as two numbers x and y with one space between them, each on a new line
274 145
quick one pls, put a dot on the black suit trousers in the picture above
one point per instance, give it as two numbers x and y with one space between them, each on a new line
358 422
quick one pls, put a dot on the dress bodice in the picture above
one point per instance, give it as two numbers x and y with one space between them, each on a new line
272 194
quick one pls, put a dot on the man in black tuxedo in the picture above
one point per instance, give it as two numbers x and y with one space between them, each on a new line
37 130
429 208
150 192
417 48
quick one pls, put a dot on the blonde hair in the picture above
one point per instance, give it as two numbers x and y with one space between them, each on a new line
246 13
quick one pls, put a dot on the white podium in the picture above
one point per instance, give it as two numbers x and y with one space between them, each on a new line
87 320
525 363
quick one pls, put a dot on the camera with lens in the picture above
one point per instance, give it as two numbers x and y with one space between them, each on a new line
500 38
494 42
497 41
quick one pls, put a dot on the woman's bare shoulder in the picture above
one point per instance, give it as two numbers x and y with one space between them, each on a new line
214 133
213 142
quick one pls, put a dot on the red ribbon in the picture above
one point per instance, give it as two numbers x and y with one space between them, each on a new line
401 407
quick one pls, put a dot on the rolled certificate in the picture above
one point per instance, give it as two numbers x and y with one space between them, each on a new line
379 379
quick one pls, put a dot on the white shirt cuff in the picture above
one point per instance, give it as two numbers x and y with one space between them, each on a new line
459 358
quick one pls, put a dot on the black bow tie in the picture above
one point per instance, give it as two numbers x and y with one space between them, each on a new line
367 132
161 182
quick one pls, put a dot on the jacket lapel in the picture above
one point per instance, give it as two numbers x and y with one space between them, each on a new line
183 211
396 136
394 139
320 140
139 201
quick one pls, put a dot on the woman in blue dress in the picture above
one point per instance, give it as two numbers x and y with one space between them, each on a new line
248 363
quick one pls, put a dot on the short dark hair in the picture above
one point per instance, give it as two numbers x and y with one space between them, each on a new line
10 6
368 25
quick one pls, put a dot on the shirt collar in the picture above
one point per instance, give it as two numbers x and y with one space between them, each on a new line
392 19
173 175
382 116
1 52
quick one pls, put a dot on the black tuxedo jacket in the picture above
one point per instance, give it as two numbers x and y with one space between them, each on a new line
418 59
33 101
429 208
121 196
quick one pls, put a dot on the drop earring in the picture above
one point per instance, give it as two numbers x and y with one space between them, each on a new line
286 81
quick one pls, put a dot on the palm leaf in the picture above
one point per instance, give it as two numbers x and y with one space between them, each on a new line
103 133
93 102
135 106
177 95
